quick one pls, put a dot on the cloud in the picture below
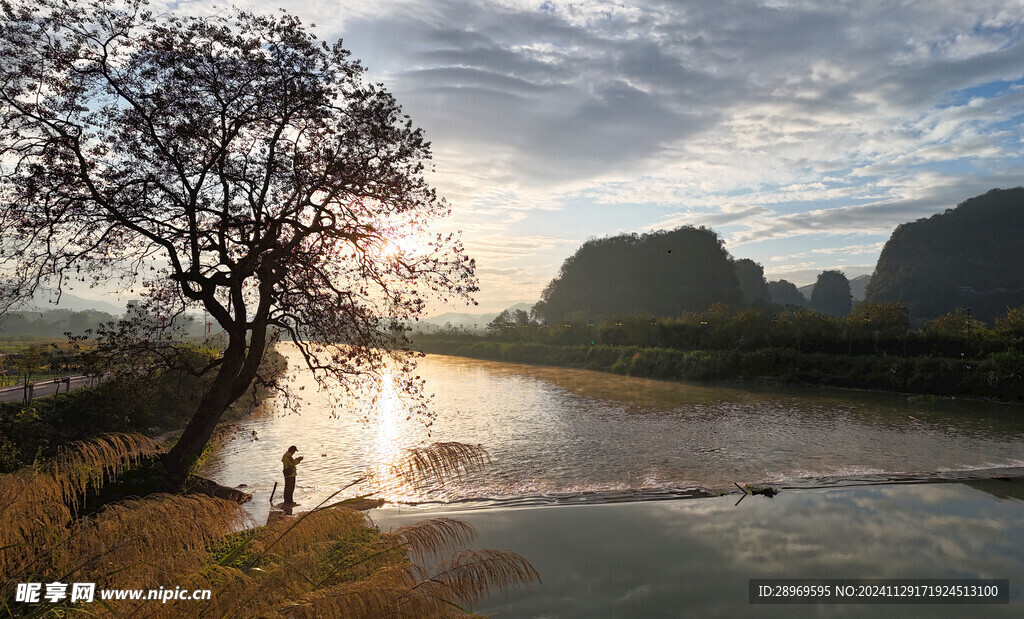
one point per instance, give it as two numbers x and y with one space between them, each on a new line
772 120
870 248
499 247
920 195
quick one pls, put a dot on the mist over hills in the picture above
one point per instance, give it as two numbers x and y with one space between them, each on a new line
45 300
467 320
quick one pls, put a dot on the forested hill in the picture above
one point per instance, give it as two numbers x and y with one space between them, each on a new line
969 257
660 273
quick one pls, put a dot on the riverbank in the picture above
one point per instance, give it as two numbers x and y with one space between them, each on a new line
696 557
997 376
157 404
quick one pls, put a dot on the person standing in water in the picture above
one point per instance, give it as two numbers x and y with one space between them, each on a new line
290 461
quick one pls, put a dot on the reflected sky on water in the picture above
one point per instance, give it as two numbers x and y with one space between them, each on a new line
695 557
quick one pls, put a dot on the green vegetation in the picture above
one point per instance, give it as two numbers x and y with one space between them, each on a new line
997 376
872 348
970 256
30 360
151 400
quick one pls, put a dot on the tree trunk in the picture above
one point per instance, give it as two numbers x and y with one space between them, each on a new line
200 428
232 380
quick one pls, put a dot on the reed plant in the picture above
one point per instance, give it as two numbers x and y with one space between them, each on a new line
331 561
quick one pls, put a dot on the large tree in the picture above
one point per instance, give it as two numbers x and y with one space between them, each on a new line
233 163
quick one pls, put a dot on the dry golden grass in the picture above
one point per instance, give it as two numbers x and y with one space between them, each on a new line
34 503
471 574
328 562
439 461
435 536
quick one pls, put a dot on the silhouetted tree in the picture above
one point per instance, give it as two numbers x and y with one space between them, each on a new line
509 318
832 294
232 162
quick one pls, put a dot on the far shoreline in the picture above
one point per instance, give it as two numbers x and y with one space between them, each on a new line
569 357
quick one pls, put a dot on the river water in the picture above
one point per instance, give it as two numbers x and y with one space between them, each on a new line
556 434
579 460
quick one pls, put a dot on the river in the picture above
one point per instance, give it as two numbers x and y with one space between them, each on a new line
592 441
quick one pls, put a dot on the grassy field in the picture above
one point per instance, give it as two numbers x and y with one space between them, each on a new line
14 345
54 358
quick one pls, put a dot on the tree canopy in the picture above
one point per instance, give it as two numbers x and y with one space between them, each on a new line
233 163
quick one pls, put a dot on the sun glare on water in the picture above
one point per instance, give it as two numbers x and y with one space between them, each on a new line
391 437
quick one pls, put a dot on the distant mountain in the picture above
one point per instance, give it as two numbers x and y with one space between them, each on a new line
43 301
661 273
467 320
785 293
832 294
968 257
51 323
858 288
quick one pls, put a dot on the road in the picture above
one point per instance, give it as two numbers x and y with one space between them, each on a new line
43 388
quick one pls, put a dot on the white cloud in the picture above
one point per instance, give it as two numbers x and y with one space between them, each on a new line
769 119
869 248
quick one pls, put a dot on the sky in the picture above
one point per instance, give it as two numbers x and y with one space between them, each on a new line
802 132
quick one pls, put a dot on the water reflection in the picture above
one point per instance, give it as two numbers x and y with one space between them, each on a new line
564 432
695 557
387 440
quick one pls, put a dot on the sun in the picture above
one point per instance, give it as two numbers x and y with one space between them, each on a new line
396 248
390 251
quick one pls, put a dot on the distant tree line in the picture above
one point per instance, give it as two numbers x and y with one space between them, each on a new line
57 323
871 348
870 328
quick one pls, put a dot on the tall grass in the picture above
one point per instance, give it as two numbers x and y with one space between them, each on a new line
331 561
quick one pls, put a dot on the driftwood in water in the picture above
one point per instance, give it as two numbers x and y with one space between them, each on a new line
767 491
